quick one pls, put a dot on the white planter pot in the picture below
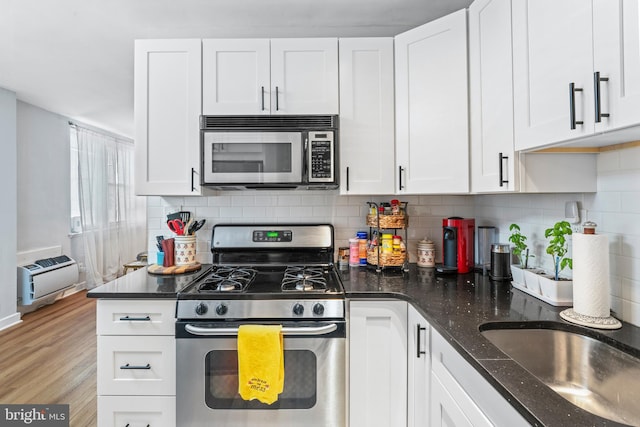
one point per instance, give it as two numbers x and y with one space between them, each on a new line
517 274
561 290
531 279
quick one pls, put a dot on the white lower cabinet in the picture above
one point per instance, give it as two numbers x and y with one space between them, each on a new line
418 368
136 363
378 363
460 396
141 411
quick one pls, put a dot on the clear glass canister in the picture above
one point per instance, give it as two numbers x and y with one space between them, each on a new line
426 253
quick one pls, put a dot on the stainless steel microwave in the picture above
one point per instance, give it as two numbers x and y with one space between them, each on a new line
269 152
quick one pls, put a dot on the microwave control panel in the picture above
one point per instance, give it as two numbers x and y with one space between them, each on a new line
321 157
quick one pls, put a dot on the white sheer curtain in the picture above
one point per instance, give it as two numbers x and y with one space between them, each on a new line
113 218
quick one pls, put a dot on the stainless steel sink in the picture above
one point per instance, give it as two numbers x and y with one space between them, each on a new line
588 373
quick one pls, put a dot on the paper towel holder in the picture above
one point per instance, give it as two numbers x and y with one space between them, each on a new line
571 212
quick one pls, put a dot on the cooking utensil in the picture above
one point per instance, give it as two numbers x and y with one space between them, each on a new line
177 226
187 224
195 226
183 216
159 240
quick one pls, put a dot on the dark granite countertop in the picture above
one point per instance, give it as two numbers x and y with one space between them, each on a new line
456 305
140 284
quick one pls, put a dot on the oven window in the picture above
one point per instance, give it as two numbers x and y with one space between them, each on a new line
300 385
269 157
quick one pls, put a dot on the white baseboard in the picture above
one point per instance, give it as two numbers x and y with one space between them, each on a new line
9 321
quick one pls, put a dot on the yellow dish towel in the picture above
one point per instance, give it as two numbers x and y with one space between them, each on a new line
260 362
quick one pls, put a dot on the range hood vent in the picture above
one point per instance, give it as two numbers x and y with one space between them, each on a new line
268 122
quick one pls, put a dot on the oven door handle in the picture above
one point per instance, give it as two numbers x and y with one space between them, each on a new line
313 330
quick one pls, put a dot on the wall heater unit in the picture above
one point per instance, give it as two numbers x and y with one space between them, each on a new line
43 281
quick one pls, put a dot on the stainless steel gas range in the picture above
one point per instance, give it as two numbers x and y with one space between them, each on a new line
264 274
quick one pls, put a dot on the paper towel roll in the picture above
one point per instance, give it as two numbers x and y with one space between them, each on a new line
591 293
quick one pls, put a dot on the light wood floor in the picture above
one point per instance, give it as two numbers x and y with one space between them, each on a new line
50 358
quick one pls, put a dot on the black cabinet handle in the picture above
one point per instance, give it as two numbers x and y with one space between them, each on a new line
193 185
418 351
572 105
127 366
277 99
501 160
347 178
596 93
262 98
136 319
400 169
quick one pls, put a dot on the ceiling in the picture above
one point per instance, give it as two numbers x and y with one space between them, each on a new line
75 57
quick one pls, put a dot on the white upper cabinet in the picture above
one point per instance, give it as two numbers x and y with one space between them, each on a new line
559 46
167 110
366 116
235 76
493 162
616 57
277 76
432 132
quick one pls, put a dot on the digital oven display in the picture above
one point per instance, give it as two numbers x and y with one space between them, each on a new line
278 236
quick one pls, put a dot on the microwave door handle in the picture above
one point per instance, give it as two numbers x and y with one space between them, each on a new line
307 155
289 331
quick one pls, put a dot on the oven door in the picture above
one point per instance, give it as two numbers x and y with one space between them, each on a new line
252 157
314 380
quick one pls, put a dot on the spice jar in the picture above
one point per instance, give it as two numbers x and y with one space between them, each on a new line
426 253
354 252
387 243
362 247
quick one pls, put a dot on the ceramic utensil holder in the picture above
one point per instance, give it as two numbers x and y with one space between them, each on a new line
185 250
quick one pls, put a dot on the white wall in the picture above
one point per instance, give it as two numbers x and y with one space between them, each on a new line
8 217
43 179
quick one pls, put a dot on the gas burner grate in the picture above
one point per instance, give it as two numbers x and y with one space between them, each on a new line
304 278
228 279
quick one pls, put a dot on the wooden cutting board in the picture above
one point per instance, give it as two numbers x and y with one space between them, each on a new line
174 269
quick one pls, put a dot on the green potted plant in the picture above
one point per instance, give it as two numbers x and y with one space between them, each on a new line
520 247
555 289
523 275
558 246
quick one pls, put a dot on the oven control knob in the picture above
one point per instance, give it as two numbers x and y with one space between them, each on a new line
318 309
298 309
201 308
221 309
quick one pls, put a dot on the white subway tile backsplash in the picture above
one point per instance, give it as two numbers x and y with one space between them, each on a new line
629 159
615 208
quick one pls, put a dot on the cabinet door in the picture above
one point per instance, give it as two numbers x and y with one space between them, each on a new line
366 116
491 97
304 76
419 369
235 76
432 132
445 412
135 317
167 113
378 363
616 56
552 47
156 411
136 365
